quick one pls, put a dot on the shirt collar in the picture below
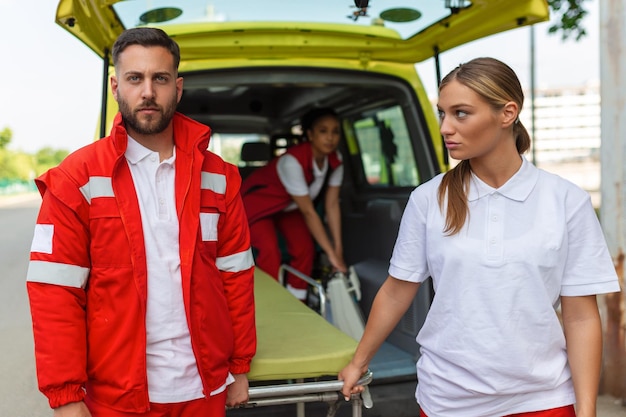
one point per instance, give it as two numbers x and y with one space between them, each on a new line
135 152
517 188
324 167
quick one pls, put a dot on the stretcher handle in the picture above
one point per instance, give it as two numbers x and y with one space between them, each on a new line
308 280
326 397
303 388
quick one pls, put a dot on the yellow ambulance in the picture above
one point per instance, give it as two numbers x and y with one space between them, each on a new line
251 68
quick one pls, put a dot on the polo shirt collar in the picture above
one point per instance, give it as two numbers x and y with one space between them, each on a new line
135 152
517 188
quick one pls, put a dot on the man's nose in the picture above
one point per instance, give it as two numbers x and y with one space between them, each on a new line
147 90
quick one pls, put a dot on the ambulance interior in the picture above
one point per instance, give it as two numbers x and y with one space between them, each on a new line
387 151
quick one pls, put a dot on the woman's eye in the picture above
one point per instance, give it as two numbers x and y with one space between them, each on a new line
460 113
440 113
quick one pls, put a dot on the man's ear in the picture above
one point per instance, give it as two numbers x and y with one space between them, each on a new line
179 89
510 114
113 82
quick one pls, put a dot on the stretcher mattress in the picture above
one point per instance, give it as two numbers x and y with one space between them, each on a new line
294 341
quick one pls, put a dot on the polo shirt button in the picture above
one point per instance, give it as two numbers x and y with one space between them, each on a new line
494 218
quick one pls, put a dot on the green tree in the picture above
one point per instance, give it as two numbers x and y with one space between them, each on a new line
16 165
47 157
569 14
22 166
5 137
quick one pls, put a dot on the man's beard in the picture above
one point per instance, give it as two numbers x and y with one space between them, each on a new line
150 125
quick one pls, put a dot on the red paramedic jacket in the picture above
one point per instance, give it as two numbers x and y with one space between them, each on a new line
87 276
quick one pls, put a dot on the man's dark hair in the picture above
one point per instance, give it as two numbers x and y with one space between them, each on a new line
145 37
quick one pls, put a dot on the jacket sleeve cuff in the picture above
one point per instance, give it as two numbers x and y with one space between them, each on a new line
65 395
239 367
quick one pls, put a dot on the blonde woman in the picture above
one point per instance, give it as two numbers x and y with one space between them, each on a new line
505 244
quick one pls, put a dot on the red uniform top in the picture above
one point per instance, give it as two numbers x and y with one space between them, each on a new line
264 194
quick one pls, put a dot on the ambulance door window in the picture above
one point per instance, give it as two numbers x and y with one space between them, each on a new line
386 151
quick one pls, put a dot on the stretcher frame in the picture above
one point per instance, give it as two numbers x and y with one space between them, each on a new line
307 392
293 386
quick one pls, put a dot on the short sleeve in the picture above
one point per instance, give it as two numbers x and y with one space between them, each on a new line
291 175
589 268
409 257
336 177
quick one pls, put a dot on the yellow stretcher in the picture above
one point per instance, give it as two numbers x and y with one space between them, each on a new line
295 344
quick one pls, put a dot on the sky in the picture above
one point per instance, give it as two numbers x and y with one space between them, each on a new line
50 83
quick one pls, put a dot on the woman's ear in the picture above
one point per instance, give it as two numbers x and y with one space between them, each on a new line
510 114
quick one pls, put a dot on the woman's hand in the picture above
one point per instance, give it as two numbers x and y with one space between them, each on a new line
391 302
337 262
350 375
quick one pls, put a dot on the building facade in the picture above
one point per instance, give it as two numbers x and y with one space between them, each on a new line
566 133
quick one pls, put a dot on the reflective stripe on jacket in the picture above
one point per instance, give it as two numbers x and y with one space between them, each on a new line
87 277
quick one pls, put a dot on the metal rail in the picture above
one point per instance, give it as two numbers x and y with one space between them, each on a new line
308 392
303 388
320 288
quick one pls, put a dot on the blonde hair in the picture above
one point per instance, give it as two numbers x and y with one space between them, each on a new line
497 84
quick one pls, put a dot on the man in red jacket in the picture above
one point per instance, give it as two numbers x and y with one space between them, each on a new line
141 274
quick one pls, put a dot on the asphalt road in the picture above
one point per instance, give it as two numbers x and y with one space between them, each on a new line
19 396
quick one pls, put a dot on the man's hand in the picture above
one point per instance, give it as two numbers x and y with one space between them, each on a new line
77 409
237 391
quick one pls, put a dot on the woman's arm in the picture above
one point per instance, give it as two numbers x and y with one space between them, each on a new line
316 227
391 302
583 334
333 218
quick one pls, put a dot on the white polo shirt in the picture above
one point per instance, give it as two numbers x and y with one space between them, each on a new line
492 343
291 176
171 365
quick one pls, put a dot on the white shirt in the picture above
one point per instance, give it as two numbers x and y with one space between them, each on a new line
171 365
291 176
492 343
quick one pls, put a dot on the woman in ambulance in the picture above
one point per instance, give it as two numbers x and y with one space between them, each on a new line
281 197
